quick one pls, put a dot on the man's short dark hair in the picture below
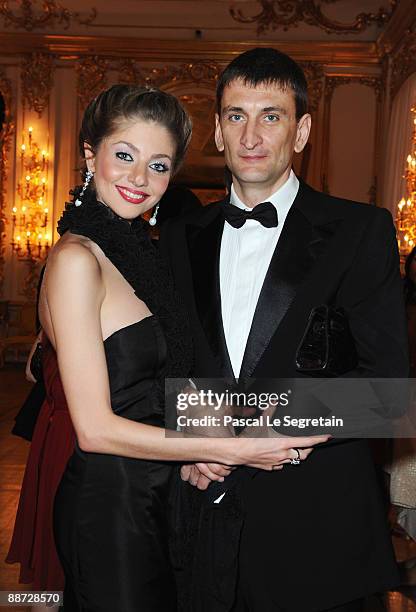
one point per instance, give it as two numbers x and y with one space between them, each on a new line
270 66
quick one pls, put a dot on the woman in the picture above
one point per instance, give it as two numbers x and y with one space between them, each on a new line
115 327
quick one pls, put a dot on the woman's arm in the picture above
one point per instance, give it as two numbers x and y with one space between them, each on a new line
74 294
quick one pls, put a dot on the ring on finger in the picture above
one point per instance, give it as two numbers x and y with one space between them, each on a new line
297 459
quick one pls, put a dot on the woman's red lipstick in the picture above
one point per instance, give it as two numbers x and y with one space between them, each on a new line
132 195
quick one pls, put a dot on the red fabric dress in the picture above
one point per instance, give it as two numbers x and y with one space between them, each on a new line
53 442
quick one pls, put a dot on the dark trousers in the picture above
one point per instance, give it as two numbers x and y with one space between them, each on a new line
352 606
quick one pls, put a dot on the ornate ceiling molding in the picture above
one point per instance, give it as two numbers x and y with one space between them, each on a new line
403 63
286 14
48 15
37 79
6 132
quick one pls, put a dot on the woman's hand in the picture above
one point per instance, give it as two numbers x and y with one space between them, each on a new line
272 452
28 371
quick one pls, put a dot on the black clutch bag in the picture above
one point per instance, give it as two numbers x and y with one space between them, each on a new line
327 347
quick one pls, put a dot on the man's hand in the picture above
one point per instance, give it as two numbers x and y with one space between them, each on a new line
190 473
200 475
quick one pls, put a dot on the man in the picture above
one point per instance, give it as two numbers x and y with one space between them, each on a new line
314 535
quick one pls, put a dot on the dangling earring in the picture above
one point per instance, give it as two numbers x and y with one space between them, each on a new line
153 220
88 177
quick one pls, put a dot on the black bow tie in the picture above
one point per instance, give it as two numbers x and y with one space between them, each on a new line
265 213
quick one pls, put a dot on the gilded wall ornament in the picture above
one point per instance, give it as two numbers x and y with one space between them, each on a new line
286 14
37 79
202 72
6 132
331 83
92 78
48 15
403 63
315 78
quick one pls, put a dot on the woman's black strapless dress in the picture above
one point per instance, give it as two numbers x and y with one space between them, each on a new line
110 511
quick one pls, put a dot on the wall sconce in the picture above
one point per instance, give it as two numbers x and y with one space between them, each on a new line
30 237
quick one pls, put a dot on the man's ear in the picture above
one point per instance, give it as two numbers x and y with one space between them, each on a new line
218 134
302 133
89 157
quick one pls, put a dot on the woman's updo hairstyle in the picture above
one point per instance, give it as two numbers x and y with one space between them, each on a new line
121 103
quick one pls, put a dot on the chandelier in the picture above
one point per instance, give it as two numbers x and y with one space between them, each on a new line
406 208
30 237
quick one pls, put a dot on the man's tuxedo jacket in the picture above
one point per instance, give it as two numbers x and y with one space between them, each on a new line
323 521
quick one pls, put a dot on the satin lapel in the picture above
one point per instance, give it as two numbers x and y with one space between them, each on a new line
299 245
204 245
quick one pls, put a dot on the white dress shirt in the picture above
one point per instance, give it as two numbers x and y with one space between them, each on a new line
245 257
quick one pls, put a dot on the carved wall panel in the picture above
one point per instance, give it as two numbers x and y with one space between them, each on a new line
287 14
6 133
331 83
403 63
92 78
37 79
315 78
30 15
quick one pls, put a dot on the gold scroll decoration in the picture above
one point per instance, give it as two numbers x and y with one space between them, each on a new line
403 63
315 78
29 17
200 73
37 79
92 79
286 14
6 132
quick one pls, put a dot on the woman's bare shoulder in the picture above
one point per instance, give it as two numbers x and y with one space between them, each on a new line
72 258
